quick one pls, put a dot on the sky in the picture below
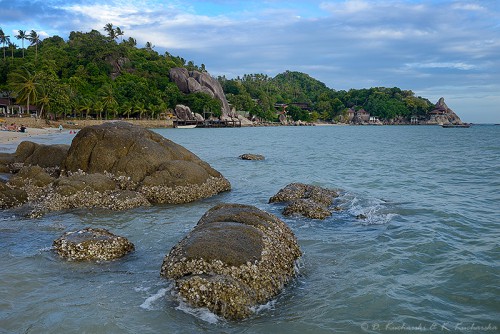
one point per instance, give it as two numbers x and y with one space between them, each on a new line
435 48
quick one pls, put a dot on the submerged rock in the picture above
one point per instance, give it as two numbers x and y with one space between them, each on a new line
235 258
306 200
250 156
92 244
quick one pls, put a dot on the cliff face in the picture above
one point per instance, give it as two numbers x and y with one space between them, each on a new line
441 114
194 81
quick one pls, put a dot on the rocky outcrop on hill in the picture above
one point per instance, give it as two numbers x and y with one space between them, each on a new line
92 244
114 165
235 258
306 200
441 114
195 81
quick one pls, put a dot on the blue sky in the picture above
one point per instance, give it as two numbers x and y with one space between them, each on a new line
435 48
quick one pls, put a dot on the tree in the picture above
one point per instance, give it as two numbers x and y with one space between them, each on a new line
4 39
25 84
34 38
149 46
108 99
12 46
22 36
119 32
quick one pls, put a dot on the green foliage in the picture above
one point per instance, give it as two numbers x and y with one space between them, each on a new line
258 94
93 75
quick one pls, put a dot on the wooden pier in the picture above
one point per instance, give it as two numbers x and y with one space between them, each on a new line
232 123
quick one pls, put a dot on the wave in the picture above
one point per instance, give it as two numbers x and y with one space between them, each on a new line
149 303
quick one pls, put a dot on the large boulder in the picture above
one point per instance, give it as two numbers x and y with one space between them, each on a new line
155 163
307 200
235 258
41 155
92 244
195 81
116 166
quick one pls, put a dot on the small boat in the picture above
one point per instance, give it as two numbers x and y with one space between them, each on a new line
189 126
463 125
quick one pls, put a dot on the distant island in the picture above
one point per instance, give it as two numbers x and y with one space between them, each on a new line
95 76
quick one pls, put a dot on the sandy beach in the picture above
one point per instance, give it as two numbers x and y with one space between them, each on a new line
10 137
41 127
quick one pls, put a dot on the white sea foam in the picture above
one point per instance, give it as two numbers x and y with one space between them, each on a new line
200 313
270 305
148 304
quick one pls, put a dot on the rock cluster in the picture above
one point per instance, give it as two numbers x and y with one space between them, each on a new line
236 257
92 244
307 200
114 165
195 81
442 114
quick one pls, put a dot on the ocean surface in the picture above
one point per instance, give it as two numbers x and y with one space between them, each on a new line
425 259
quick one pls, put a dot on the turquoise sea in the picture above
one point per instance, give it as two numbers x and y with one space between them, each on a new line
425 259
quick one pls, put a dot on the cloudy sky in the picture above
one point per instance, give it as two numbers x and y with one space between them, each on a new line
432 47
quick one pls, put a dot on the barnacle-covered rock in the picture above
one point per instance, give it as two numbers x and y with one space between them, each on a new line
307 200
11 197
115 165
236 257
92 244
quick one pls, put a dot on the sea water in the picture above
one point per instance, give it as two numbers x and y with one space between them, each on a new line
426 257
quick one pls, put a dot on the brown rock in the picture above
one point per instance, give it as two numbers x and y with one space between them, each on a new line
92 244
236 257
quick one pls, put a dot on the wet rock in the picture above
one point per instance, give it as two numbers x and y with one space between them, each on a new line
34 175
235 258
92 244
69 185
306 200
11 197
249 156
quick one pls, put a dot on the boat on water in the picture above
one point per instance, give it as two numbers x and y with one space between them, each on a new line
463 125
188 126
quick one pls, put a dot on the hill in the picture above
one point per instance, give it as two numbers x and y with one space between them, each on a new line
91 75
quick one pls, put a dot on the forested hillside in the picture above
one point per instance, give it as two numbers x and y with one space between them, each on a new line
259 94
106 76
95 75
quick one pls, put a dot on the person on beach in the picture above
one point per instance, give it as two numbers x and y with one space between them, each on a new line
60 127
22 128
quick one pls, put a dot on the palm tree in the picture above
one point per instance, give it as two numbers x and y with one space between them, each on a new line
34 38
12 46
108 98
149 46
110 30
4 39
43 99
25 85
119 33
22 36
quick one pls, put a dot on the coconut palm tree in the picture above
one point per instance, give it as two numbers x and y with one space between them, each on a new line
119 33
25 84
149 46
22 36
12 47
108 98
34 38
110 30
4 39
